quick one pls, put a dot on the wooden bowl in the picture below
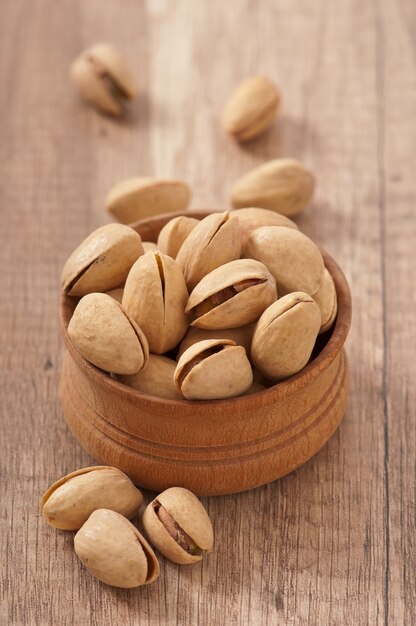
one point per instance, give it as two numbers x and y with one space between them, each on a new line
214 447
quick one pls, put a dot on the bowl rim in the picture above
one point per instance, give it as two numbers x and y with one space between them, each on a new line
260 398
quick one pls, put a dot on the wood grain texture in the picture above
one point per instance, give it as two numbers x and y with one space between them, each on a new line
332 543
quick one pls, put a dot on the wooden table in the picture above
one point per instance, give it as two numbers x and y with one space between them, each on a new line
333 543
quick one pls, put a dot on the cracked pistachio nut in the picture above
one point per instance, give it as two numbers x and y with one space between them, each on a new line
213 369
281 185
115 552
252 108
103 78
213 242
232 295
106 336
178 526
102 261
157 379
285 335
252 218
149 246
294 260
174 233
69 502
155 297
326 299
136 198
241 336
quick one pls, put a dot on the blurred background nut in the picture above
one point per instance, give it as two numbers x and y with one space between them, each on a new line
102 261
253 217
178 526
157 379
69 502
136 198
150 246
252 108
213 369
115 552
326 299
285 335
117 294
281 185
104 335
103 78
174 233
241 336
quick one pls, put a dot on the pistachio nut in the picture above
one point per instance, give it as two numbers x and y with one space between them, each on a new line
69 502
282 185
326 299
178 526
105 335
150 246
117 294
252 108
155 297
102 261
252 218
294 260
241 336
157 379
285 335
213 242
213 369
174 233
103 78
136 198
232 295
115 552
254 388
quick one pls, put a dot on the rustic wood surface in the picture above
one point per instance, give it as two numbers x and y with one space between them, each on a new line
333 543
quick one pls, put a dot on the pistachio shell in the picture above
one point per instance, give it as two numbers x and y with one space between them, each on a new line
150 246
326 299
213 242
282 185
294 260
241 336
117 294
252 218
115 552
252 108
69 502
174 233
213 369
285 335
254 388
232 295
102 261
178 525
103 78
136 198
104 335
155 296
157 379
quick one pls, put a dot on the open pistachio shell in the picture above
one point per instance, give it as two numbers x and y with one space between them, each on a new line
178 526
241 336
232 295
252 218
155 297
174 233
294 260
326 299
213 369
157 379
104 335
69 502
213 242
102 261
115 552
285 335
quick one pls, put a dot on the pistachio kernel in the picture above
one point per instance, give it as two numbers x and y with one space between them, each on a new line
175 531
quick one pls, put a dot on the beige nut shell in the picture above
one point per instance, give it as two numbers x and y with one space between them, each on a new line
326 299
241 336
251 218
225 374
189 513
285 335
150 246
252 108
213 242
115 552
174 233
140 197
117 294
157 379
155 297
294 260
282 185
244 307
102 261
105 336
69 502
